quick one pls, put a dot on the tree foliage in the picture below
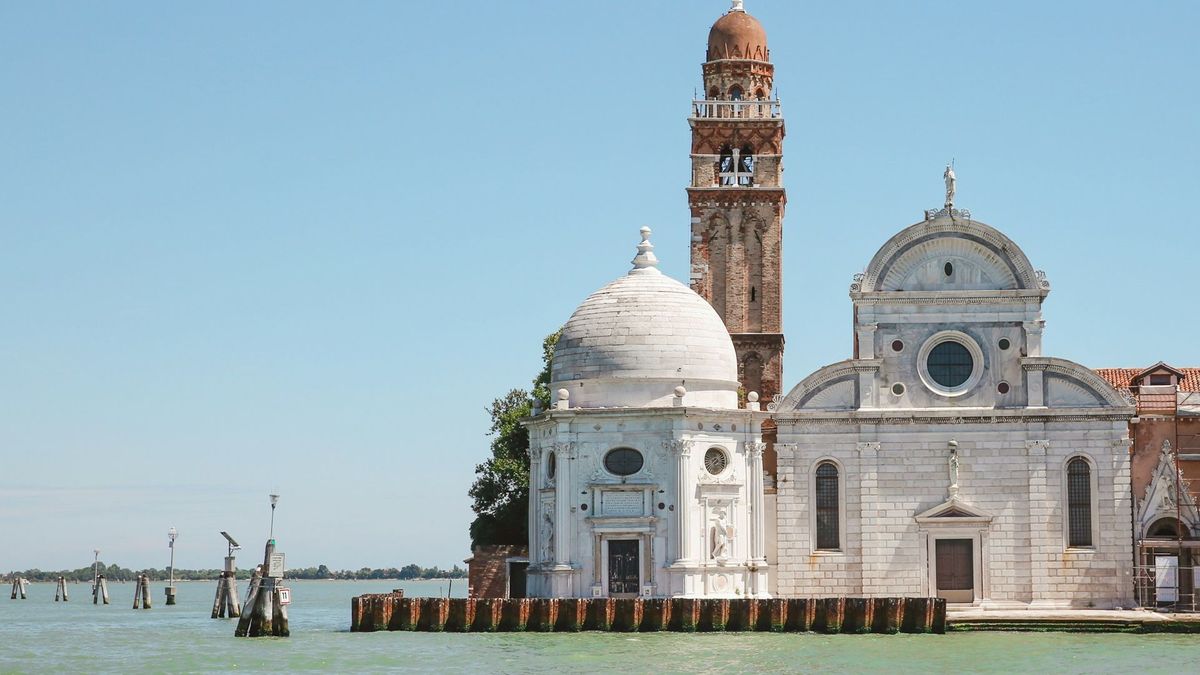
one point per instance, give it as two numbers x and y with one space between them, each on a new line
500 494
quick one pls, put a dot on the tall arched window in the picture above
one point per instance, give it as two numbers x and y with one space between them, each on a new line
1079 503
828 535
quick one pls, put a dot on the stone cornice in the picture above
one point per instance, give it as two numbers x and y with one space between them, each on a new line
1011 297
950 416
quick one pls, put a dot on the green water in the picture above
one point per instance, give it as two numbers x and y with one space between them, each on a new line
39 635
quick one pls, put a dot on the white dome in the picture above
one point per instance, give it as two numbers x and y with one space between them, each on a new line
631 343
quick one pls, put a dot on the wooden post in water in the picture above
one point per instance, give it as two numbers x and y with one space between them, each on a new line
60 591
265 612
20 587
100 590
141 592
226 603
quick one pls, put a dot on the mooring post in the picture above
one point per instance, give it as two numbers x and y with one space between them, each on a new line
100 590
61 590
141 592
226 602
266 608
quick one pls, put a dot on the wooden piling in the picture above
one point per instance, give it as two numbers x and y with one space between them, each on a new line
572 615
20 588
264 612
60 590
225 603
392 611
141 592
100 590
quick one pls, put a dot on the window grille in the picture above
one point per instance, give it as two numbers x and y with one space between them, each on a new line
1079 503
827 507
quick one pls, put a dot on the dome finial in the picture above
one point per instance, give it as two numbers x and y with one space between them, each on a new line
645 261
737 6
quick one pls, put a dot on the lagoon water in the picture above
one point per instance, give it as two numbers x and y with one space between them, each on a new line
39 635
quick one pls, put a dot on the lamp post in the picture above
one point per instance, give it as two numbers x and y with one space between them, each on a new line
274 501
172 534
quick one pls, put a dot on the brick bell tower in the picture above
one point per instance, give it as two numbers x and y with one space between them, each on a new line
737 197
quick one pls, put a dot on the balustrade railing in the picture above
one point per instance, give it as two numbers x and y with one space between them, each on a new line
745 110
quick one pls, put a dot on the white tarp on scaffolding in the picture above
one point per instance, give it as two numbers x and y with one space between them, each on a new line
1166 578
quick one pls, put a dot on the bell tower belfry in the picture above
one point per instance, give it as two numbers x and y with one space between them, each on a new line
737 197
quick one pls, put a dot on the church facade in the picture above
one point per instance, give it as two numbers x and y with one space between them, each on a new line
948 456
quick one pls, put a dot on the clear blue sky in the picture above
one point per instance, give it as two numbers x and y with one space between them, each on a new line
300 246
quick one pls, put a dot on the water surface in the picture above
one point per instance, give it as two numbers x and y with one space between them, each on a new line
39 635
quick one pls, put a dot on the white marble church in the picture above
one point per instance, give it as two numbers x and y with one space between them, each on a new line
947 457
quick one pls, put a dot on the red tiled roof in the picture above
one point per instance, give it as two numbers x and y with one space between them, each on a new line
1121 377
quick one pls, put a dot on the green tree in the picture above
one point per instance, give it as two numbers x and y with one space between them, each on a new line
500 494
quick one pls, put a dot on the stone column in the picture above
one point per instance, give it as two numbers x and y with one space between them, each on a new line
563 497
1033 337
758 544
1041 529
684 486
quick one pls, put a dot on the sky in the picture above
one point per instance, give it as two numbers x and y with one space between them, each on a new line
299 247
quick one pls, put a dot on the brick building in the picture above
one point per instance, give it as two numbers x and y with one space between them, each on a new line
1165 479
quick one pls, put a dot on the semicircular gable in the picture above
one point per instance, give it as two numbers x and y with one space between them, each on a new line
1069 384
834 387
982 258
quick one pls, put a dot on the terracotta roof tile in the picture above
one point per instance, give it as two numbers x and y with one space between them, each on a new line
1121 377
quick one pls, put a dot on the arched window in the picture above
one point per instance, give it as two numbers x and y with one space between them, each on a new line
727 166
736 167
1079 503
735 93
746 166
828 536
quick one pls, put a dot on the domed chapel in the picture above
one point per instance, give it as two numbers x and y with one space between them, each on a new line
948 456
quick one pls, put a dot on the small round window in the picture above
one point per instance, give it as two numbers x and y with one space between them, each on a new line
623 461
551 465
715 461
897 345
898 389
1004 344
950 364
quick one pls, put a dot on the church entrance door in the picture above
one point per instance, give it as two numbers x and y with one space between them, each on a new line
623 568
955 570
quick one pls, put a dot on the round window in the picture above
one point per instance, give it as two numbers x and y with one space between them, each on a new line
897 345
551 465
1002 387
1004 343
898 389
950 364
623 461
715 461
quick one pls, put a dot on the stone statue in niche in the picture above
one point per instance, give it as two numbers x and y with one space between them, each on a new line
722 535
547 537
953 462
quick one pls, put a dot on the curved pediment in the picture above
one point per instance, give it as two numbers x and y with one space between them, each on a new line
950 254
1070 385
834 387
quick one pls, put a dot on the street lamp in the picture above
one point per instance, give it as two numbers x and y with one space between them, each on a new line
274 501
172 534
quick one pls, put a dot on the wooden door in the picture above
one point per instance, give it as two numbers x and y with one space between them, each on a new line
623 567
955 569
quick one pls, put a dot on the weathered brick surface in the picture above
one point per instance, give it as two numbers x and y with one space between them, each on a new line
487 570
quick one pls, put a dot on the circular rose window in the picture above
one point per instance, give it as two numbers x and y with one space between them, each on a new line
623 461
715 461
950 364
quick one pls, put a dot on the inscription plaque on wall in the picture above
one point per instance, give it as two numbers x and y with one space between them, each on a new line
622 503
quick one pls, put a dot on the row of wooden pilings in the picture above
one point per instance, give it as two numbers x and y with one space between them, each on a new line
393 611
